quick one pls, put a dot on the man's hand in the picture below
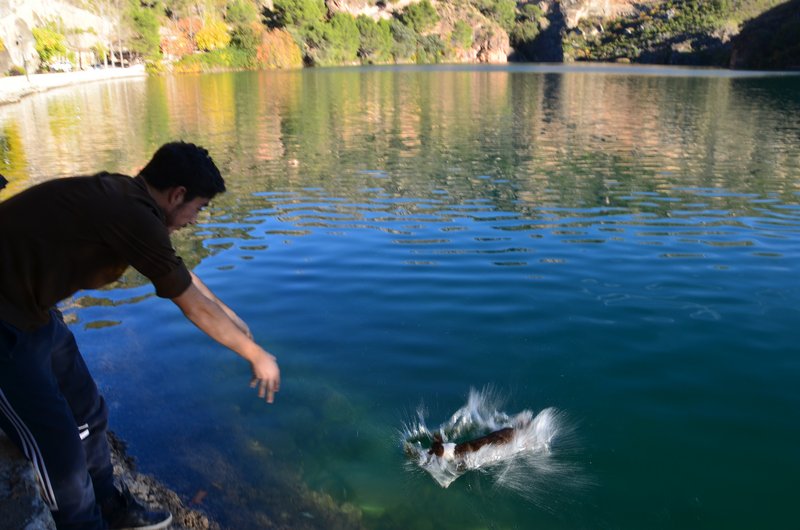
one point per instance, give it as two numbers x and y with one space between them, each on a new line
266 376
211 316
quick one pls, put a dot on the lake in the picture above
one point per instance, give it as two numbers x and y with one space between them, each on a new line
619 243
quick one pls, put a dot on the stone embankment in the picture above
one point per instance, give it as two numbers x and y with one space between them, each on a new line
12 89
23 508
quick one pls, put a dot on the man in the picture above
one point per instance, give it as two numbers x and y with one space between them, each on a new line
82 233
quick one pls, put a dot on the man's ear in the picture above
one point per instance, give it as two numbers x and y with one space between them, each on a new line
175 195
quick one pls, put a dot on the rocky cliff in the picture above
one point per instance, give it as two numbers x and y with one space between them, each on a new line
490 42
574 11
691 32
18 18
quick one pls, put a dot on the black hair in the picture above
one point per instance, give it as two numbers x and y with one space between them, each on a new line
187 165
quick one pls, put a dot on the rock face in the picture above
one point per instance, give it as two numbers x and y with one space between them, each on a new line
490 41
576 10
22 507
19 17
770 41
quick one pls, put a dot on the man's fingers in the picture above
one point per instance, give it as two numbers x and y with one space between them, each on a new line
266 389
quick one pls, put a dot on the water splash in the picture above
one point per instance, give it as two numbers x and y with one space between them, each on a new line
533 463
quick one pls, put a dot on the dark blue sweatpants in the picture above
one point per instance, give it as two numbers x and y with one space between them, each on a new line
50 407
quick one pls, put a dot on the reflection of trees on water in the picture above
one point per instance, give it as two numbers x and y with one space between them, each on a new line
514 141
13 165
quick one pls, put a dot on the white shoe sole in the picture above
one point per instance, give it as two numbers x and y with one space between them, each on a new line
157 526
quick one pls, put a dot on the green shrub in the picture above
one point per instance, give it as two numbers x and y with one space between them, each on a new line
241 13
530 12
154 67
405 41
430 49
420 16
376 40
299 12
338 42
50 44
504 12
246 38
15 71
100 51
219 59
524 32
146 39
461 37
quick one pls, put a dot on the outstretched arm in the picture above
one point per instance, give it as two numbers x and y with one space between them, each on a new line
228 311
208 314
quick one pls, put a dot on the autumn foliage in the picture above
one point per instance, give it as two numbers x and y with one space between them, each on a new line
279 50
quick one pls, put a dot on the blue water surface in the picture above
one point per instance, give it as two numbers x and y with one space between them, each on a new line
620 244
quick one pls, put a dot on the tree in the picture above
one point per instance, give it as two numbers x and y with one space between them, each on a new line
212 36
461 37
405 41
145 26
420 16
431 49
501 11
279 50
299 12
50 44
376 40
241 13
340 40
246 38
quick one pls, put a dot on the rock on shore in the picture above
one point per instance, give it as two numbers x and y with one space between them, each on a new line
23 508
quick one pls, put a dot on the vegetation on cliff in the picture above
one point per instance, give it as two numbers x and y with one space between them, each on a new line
696 32
203 35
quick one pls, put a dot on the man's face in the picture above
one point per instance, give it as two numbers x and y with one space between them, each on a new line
184 213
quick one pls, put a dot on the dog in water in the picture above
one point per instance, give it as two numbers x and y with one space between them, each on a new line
451 450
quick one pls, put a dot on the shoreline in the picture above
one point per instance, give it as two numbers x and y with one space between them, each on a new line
15 88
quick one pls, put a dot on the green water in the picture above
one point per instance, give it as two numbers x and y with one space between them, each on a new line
620 244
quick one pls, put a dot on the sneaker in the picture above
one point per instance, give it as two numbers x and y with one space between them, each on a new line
123 512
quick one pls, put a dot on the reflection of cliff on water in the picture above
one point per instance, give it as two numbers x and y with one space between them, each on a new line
518 139
569 133
425 129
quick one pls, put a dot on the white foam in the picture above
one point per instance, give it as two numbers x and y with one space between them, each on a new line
527 464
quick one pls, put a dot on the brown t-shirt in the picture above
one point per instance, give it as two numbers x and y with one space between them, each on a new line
80 233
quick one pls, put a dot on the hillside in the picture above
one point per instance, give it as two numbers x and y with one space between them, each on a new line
689 32
82 31
251 34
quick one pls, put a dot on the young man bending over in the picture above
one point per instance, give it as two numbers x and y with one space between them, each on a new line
82 233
